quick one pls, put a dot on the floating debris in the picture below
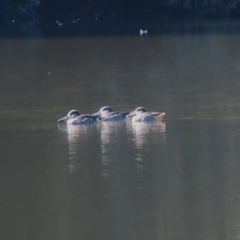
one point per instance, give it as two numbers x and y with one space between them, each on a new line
143 32
59 23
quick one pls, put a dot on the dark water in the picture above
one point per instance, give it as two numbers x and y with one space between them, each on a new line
175 180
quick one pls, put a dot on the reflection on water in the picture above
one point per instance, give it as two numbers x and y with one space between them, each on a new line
144 133
108 130
109 136
140 131
76 134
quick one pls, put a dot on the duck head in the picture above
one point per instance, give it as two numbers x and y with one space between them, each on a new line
103 111
137 111
72 114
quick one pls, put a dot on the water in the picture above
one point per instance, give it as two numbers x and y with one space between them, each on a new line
173 180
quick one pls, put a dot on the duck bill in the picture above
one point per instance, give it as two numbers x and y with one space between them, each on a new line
63 119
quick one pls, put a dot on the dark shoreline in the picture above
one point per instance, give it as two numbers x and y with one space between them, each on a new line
118 28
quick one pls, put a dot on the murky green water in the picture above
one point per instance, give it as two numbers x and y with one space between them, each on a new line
175 180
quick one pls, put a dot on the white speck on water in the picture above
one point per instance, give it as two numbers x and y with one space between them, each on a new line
142 32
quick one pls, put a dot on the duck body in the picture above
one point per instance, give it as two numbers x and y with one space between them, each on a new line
141 115
114 116
107 115
75 118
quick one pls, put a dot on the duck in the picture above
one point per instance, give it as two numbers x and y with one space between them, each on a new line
141 115
74 117
106 114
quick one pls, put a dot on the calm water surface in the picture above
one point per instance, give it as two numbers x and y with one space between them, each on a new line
175 180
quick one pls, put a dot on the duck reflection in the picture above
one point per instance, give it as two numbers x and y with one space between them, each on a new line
109 133
142 132
75 134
